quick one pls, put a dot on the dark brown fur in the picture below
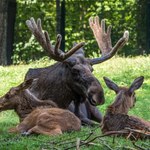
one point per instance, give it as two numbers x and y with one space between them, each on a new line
22 100
116 117
89 115
67 81
48 121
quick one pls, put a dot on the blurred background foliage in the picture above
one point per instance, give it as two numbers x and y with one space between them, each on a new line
121 14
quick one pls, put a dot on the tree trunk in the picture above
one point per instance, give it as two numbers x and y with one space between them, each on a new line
141 26
7 22
58 14
60 21
3 28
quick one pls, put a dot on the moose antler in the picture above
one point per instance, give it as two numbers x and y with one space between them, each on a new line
103 39
44 40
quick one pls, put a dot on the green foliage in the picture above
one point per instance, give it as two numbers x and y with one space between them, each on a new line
26 48
121 14
121 70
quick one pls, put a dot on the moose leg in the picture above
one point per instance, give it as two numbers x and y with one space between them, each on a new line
95 114
76 109
80 111
86 121
85 115
42 130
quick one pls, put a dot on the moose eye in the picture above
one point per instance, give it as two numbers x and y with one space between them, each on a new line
75 71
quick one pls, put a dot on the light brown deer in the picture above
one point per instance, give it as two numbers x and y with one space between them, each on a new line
48 121
21 100
116 117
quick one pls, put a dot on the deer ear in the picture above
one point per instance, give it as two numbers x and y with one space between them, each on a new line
136 84
110 84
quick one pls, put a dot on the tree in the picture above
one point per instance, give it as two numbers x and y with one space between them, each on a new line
141 26
121 14
7 19
3 27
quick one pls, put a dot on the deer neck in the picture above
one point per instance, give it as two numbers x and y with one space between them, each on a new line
33 100
120 105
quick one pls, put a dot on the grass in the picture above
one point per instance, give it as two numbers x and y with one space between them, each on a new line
121 70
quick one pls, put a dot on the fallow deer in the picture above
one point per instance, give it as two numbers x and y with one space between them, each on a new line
116 117
48 121
22 101
71 78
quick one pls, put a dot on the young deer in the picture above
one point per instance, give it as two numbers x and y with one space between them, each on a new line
48 121
21 100
116 117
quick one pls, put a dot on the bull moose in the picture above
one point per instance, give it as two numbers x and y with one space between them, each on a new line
71 79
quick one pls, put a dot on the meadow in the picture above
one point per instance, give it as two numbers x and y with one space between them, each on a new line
121 70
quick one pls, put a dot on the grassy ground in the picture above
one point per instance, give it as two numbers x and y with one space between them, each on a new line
121 70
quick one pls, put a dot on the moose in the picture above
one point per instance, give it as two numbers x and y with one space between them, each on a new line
48 121
116 117
89 114
70 78
21 100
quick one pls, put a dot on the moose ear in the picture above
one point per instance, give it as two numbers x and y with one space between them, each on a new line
70 62
136 84
26 84
80 51
110 84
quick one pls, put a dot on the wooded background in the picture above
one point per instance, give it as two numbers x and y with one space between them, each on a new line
70 18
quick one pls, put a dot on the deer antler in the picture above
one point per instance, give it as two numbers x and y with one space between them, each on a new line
103 39
44 40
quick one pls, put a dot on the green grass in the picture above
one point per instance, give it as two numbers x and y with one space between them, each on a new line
121 70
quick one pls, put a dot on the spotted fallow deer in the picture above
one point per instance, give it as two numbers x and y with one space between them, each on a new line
116 117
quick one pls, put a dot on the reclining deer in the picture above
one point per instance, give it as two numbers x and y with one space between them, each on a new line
116 117
37 116
48 121
22 101
71 78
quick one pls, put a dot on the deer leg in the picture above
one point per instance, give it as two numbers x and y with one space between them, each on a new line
42 130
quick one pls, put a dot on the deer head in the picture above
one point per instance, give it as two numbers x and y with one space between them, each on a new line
125 96
13 97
